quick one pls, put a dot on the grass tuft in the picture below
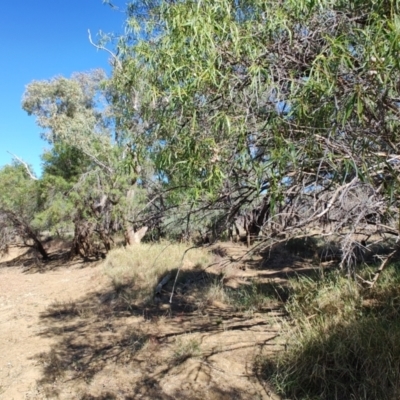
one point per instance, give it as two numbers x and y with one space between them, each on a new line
246 298
136 271
185 347
249 298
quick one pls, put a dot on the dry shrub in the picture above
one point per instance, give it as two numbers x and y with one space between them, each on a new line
141 267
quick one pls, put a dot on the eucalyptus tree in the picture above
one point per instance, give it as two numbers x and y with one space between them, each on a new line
62 167
89 173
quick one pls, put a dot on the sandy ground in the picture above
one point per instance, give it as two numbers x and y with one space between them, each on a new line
64 336
24 297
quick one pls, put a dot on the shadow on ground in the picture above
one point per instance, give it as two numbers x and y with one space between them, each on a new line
306 256
109 346
33 263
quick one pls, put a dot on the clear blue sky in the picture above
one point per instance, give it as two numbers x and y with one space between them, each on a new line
40 39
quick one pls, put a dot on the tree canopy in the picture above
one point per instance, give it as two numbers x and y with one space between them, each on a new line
296 101
284 114
19 206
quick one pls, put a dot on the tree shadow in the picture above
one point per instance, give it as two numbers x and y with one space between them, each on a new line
27 258
306 256
32 263
151 389
111 328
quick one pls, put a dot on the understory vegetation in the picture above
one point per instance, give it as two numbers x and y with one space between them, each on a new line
140 274
342 339
142 267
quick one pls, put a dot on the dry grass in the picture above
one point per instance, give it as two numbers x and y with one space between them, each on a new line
184 347
97 340
216 292
143 266
343 342
335 298
246 298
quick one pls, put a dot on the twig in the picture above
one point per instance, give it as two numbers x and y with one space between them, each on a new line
223 371
179 270
381 268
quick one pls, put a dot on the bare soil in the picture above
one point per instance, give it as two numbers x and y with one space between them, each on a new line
64 334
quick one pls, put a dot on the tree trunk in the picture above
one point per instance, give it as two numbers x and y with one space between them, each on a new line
28 233
82 243
132 237
106 239
39 247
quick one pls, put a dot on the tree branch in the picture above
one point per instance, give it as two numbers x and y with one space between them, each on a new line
114 56
25 165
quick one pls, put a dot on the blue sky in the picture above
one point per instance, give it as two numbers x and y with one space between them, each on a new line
40 39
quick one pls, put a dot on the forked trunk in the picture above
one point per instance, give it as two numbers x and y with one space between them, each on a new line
39 247
132 237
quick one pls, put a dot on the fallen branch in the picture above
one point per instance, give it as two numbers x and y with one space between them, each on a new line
370 284
179 270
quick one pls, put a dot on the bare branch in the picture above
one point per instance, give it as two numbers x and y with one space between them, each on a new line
385 262
114 56
25 165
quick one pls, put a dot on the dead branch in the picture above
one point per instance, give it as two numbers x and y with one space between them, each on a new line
25 165
370 284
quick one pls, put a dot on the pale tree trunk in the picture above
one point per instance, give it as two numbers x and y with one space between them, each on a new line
132 237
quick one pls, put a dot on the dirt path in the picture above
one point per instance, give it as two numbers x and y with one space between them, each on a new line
23 297
63 335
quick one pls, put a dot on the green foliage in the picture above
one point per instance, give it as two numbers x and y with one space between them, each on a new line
19 203
89 172
19 193
64 161
213 102
228 100
76 119
255 91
